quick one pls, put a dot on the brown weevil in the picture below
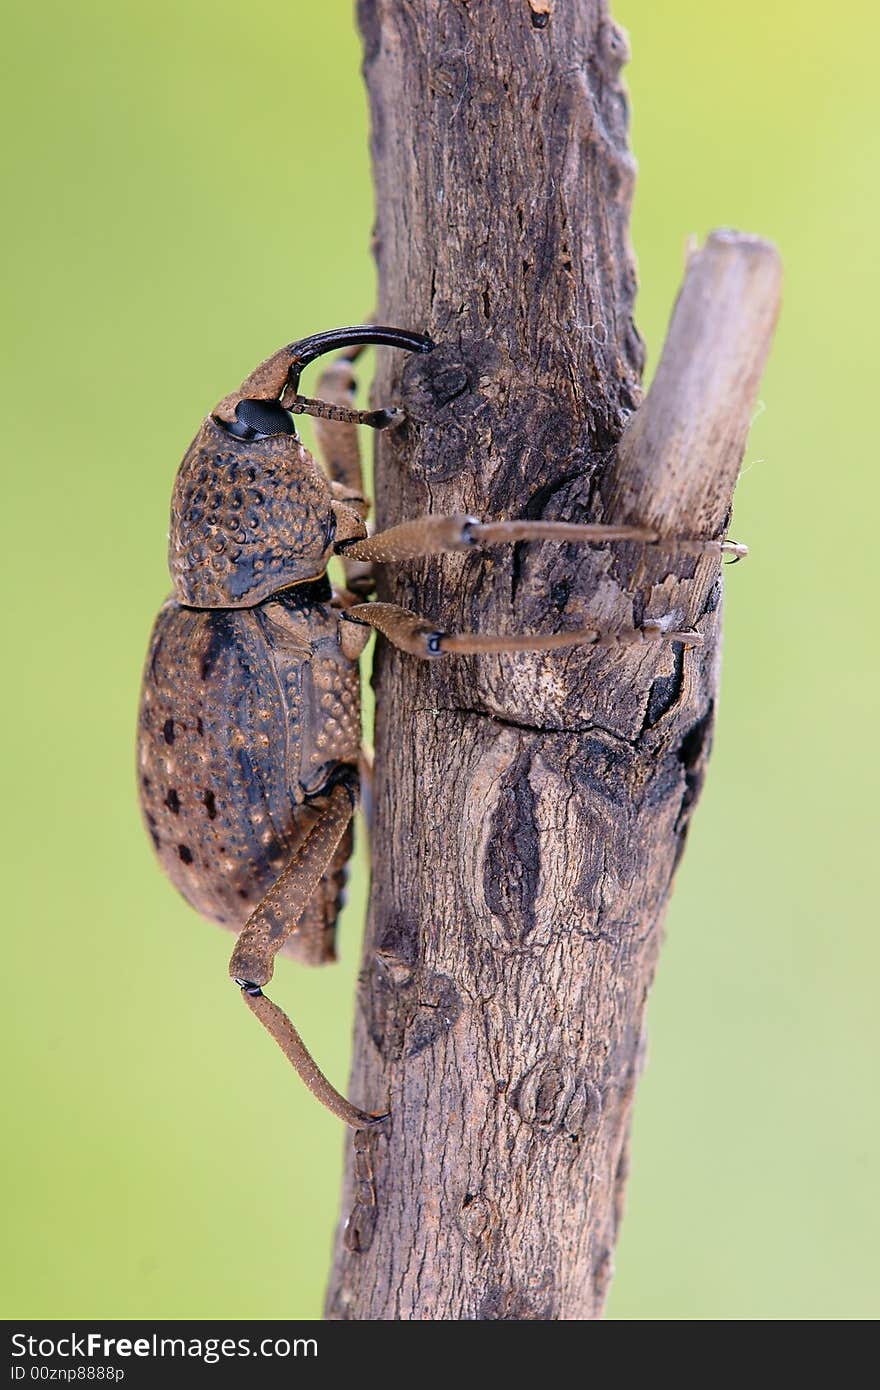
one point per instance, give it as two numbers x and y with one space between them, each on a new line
249 729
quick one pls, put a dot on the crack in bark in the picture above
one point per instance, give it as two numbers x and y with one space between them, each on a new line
523 726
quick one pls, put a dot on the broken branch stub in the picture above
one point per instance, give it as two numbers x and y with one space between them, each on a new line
680 455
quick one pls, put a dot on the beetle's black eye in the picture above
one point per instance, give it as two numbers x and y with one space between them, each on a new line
259 419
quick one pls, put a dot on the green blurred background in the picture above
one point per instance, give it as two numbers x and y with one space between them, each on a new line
186 187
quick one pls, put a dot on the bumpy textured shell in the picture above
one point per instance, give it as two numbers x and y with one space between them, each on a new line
247 518
245 718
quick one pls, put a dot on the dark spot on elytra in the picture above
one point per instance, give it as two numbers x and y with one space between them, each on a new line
200 728
185 853
168 731
210 804
221 636
243 893
146 783
172 801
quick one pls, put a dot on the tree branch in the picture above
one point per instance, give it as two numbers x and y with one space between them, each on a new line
529 811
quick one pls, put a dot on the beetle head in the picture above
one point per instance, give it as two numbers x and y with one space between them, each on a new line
252 512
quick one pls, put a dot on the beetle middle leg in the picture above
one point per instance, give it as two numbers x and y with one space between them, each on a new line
420 637
266 931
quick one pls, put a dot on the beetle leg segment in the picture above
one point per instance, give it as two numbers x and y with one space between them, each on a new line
353 637
339 445
339 442
432 535
326 410
276 916
279 1026
349 521
421 638
269 926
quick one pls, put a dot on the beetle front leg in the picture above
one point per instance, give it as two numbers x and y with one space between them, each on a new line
269 926
434 535
339 444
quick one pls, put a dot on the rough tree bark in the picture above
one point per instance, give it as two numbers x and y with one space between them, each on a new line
529 811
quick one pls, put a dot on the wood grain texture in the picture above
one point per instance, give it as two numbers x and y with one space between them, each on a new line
529 810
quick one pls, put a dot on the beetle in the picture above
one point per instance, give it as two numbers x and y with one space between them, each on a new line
249 740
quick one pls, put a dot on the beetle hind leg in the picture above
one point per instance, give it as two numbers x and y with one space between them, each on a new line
314 940
269 927
279 1027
